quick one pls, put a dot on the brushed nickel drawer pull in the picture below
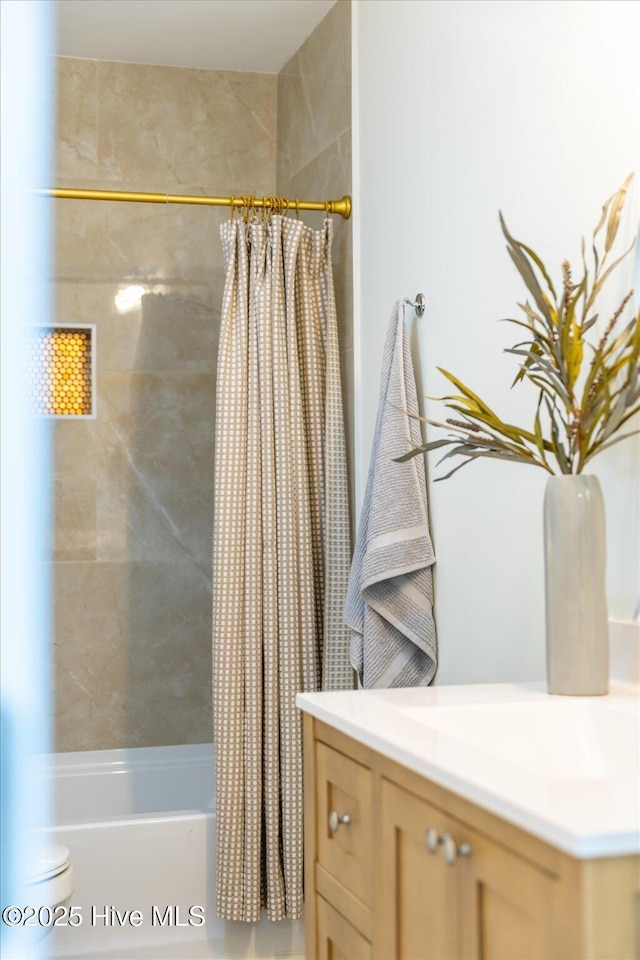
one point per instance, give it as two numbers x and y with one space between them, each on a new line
335 820
432 840
452 851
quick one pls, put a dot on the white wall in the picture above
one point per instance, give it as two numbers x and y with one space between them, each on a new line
462 109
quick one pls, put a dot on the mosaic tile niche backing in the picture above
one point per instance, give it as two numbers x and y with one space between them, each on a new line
60 368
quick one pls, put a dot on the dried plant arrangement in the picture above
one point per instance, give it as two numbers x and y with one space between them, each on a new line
586 391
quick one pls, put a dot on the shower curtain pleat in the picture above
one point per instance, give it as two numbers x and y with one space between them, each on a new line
281 550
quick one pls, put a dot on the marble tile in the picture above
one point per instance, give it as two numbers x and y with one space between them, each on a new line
175 123
314 93
74 490
326 53
74 449
178 333
115 241
172 327
305 127
74 528
138 242
328 174
193 238
90 638
155 481
76 150
169 663
132 655
134 487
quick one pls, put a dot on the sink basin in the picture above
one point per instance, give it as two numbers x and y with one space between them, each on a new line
571 739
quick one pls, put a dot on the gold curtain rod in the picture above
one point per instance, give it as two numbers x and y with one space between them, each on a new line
342 207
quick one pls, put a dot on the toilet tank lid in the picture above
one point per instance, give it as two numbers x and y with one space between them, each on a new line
53 859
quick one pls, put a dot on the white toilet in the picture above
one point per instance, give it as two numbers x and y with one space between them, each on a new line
51 881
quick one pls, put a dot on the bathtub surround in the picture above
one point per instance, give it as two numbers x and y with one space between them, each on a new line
281 550
134 488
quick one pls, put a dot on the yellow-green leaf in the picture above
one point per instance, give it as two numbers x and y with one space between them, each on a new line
469 394
614 214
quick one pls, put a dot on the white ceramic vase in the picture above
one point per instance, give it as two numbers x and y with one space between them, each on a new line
576 607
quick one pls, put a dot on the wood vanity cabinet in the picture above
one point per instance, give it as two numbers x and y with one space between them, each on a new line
398 868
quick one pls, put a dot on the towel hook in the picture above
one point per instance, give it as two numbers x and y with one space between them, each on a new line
419 305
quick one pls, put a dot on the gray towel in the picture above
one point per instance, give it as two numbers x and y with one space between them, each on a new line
389 605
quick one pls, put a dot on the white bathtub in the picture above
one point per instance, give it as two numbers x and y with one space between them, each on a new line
140 825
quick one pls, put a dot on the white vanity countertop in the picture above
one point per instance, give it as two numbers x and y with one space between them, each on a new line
566 769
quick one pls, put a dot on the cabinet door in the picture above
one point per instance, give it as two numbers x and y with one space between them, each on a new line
419 894
345 791
509 907
337 939
486 903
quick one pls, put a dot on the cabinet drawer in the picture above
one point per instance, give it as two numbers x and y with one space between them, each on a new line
345 790
337 939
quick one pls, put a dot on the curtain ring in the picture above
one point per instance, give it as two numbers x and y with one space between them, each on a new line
327 208
265 205
297 202
232 205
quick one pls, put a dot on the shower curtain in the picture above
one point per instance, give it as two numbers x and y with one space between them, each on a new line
281 550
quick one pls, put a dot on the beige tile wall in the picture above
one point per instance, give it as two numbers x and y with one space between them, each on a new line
134 488
314 158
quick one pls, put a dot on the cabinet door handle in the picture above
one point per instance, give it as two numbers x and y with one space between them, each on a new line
432 840
335 820
452 851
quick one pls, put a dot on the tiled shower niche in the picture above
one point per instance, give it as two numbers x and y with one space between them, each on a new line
61 367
